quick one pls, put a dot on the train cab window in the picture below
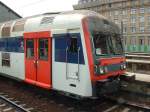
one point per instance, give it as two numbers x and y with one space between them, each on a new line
117 44
100 44
30 48
73 47
43 49
6 59
98 35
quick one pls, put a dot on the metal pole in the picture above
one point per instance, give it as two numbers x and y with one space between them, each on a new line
122 37
122 29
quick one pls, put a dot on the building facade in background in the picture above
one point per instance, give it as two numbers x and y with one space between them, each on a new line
7 14
134 14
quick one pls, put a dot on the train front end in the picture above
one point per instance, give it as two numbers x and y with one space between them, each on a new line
105 54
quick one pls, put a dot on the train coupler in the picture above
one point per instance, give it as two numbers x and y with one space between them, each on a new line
107 87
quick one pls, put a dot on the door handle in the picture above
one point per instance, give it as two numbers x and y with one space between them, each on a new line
37 62
34 63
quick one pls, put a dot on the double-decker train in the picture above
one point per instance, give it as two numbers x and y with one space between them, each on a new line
79 53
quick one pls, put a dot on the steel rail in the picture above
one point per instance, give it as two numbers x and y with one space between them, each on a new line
129 103
140 106
14 104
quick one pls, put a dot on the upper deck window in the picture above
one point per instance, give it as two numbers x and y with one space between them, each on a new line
19 26
0 28
6 29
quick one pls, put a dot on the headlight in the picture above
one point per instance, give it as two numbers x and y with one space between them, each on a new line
95 68
123 67
105 69
101 70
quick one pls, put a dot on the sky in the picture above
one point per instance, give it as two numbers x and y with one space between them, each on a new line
32 7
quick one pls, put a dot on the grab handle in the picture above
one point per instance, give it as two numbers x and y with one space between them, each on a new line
67 62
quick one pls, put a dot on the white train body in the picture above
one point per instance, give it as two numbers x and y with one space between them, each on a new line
57 64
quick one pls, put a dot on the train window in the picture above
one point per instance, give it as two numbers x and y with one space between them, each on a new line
117 44
19 26
6 59
73 47
6 29
0 28
30 48
100 43
43 49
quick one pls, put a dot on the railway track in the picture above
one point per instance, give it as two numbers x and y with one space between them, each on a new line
45 101
129 101
8 104
124 105
133 96
123 108
120 103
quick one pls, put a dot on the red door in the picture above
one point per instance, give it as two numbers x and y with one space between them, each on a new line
38 59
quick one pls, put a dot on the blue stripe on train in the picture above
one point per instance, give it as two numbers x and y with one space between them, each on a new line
12 44
16 44
62 41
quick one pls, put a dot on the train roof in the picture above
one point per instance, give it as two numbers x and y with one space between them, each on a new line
47 21
83 13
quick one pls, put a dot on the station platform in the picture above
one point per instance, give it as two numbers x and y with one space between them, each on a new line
137 61
140 77
140 86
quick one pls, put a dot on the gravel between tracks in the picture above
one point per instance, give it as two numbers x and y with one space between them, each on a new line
46 101
49 101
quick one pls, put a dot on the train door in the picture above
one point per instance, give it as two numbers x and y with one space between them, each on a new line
38 59
73 56
67 59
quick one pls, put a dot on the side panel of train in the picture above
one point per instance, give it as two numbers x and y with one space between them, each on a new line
52 58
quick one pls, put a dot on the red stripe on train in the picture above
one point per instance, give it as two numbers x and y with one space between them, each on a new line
88 48
107 75
113 60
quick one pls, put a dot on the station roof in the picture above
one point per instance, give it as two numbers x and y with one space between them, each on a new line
1 3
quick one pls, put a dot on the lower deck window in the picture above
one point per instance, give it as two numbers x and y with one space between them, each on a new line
30 48
43 49
6 59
